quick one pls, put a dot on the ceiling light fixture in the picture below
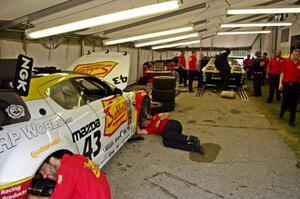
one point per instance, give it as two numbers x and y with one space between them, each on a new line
263 10
166 40
242 25
147 36
245 32
106 19
175 44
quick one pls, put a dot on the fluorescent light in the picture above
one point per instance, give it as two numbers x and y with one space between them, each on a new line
245 32
235 25
105 19
176 44
166 40
264 10
147 36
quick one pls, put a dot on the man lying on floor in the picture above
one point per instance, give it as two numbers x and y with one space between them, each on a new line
171 132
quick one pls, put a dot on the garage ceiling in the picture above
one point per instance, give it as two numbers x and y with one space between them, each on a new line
205 15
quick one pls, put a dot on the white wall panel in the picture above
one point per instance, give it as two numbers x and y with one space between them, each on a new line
10 49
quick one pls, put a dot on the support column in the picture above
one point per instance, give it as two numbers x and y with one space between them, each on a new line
82 46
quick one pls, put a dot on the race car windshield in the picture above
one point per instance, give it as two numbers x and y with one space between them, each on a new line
12 108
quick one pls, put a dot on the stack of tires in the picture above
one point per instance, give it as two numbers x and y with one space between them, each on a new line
164 92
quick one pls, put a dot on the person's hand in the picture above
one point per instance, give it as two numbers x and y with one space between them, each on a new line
37 197
267 76
280 87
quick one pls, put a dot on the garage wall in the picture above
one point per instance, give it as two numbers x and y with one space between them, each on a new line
293 30
10 49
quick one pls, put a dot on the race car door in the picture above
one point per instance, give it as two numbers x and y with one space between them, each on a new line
112 110
68 101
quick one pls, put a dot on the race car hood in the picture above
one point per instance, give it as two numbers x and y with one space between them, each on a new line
113 67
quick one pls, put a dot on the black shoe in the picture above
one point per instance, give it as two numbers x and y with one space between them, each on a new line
269 101
254 95
281 114
278 98
292 123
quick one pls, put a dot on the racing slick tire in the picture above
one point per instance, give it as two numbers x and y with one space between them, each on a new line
145 109
163 95
164 82
156 107
169 105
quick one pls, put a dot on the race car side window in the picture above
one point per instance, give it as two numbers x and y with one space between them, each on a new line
67 94
93 88
12 108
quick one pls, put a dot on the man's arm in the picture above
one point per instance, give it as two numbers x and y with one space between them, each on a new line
280 81
142 131
163 116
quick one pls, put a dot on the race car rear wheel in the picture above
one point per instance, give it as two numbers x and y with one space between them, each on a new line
145 109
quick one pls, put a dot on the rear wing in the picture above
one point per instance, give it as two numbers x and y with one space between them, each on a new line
113 67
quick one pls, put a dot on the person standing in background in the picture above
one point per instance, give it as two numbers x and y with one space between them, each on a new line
273 74
193 70
247 67
182 69
267 60
223 66
289 84
258 72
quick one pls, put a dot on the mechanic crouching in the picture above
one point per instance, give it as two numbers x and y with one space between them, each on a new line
76 176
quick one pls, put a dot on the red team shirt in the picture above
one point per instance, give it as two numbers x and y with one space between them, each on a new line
80 178
155 127
192 62
291 71
181 60
247 62
275 66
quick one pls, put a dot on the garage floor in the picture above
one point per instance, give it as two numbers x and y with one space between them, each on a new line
245 158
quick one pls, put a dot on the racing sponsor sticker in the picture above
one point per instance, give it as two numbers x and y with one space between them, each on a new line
10 139
99 69
116 114
23 74
44 148
15 111
16 190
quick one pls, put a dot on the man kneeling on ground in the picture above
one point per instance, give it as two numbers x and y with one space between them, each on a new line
171 132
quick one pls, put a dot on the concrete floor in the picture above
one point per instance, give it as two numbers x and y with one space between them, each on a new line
245 158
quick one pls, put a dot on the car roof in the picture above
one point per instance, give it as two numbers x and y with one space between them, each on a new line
41 82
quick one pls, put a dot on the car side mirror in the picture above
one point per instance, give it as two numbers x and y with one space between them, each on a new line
118 91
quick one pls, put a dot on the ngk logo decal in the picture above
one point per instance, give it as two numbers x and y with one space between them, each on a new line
116 114
99 69
23 74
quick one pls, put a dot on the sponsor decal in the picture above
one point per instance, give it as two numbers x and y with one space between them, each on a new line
9 140
23 74
99 69
116 114
15 111
44 148
89 138
93 167
16 190
87 129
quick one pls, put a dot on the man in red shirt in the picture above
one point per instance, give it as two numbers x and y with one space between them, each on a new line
289 83
193 71
273 73
266 60
171 132
76 176
182 69
247 66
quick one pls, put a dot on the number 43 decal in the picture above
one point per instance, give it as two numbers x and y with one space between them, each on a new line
88 150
